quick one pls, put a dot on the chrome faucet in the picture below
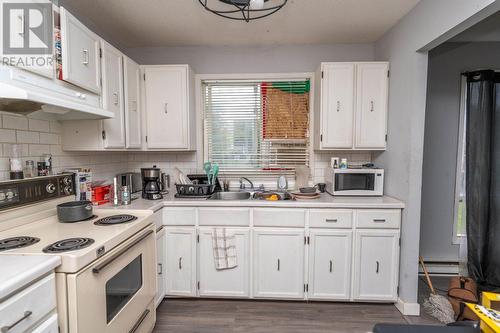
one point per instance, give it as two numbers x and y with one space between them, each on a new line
242 185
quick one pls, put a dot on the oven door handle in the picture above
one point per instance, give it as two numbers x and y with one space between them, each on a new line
139 322
100 267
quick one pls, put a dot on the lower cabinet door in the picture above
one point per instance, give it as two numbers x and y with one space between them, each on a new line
161 265
181 261
377 265
278 263
330 265
232 282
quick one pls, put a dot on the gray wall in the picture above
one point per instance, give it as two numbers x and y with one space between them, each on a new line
446 62
252 59
431 22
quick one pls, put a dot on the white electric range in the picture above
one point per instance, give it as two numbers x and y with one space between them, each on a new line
106 281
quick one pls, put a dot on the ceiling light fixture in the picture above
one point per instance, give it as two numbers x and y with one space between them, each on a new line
244 10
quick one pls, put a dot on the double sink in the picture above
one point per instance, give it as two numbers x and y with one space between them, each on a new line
272 196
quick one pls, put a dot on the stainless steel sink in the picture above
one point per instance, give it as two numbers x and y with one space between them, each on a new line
231 196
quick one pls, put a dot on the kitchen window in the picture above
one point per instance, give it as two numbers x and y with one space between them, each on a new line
256 128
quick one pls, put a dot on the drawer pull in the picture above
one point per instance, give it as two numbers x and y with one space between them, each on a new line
139 322
180 263
279 265
379 220
24 317
378 267
331 266
160 269
85 55
331 220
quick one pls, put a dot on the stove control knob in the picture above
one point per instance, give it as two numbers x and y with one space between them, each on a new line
67 180
68 190
10 195
51 188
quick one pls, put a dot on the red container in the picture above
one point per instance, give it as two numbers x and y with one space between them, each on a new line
100 194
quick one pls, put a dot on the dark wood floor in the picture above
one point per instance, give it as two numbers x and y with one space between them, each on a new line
241 316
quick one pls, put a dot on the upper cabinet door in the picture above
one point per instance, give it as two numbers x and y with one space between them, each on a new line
80 53
132 105
371 105
337 105
112 96
167 109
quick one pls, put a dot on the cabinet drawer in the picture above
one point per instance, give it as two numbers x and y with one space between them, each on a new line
330 218
48 326
224 216
179 216
383 218
26 304
279 217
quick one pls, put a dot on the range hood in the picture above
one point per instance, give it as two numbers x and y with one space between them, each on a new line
25 92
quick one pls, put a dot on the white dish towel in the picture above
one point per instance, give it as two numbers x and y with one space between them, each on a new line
224 246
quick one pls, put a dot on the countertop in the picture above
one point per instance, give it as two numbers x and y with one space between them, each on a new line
325 201
20 271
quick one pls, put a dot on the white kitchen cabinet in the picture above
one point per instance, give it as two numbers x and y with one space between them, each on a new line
80 53
169 107
352 109
133 135
376 265
330 256
161 254
337 105
278 263
181 261
229 282
371 105
112 96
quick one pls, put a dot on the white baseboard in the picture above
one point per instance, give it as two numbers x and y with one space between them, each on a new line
444 268
408 309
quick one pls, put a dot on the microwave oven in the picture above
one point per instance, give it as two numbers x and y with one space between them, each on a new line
355 182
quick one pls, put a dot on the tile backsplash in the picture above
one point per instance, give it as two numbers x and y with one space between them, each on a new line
39 136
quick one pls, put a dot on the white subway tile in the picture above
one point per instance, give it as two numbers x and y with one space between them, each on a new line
4 164
55 127
38 150
7 135
15 122
38 125
49 138
27 137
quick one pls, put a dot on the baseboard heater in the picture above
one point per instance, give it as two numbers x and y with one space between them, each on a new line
441 267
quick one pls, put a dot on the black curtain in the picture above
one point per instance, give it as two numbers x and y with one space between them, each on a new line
483 177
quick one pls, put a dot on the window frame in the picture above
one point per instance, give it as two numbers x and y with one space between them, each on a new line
202 145
460 151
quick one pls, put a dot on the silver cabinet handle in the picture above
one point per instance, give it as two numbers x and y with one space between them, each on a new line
331 220
279 265
338 106
372 107
24 317
378 267
134 106
99 268
85 54
379 220
331 266
180 263
139 322
160 269
166 108
115 98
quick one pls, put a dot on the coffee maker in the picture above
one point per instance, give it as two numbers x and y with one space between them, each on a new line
153 183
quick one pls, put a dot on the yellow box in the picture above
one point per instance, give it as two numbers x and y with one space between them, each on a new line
491 301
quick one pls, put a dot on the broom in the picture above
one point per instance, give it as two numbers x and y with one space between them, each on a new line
436 305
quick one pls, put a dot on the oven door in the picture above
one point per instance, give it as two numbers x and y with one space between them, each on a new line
116 293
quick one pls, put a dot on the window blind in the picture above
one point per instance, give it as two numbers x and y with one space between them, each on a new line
254 128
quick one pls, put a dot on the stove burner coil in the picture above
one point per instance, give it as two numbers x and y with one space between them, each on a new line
17 242
70 244
115 219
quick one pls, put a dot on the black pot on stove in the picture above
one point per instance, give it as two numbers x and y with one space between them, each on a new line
75 211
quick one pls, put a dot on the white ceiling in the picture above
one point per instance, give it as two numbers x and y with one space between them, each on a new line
140 23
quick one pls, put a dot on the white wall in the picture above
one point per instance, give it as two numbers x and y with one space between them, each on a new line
252 59
430 23
446 62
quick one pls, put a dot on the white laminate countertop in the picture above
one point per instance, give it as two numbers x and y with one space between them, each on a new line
19 271
325 201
